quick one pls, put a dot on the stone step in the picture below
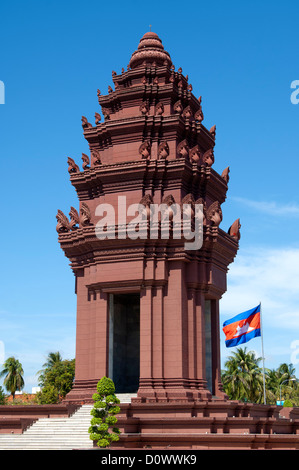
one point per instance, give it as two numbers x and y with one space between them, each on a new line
53 433
57 433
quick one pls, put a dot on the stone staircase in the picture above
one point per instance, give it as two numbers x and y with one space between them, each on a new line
56 433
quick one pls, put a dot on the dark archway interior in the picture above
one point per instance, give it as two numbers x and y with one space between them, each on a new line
125 334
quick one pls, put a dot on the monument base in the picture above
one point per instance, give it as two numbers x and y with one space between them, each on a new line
165 390
153 391
212 424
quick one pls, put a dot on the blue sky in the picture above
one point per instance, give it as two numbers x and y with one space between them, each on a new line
241 57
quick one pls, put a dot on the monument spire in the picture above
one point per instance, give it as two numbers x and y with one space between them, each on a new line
150 49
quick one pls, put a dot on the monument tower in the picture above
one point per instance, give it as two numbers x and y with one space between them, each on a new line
148 309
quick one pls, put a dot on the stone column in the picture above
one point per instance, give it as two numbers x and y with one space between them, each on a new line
158 343
173 334
91 342
216 370
203 392
146 344
100 363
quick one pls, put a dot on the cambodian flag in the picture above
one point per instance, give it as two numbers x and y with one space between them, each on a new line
242 327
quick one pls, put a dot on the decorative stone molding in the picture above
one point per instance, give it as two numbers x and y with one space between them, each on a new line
98 118
195 155
144 108
73 167
85 215
208 157
178 107
225 174
204 205
214 214
85 123
183 149
213 131
187 113
86 162
189 209
95 157
159 109
163 150
234 230
74 218
198 116
106 113
145 149
63 224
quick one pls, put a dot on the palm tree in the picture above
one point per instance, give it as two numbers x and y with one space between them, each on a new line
52 359
13 372
272 385
286 372
243 379
287 382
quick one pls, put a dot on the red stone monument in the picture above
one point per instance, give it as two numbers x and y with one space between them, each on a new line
148 306
148 309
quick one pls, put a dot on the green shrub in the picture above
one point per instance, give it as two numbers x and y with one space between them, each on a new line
287 403
48 395
104 411
2 397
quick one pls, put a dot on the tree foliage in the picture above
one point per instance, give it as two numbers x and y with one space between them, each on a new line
242 379
104 411
13 375
2 397
56 379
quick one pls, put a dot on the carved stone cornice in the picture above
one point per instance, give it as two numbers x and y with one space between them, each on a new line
150 175
83 248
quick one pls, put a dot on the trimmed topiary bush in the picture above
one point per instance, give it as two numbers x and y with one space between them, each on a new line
287 403
103 430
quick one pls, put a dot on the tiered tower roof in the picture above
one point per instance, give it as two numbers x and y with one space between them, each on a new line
151 112
151 143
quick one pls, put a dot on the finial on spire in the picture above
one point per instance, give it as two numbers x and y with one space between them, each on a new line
150 27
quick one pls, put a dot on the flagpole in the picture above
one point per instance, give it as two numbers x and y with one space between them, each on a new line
262 341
